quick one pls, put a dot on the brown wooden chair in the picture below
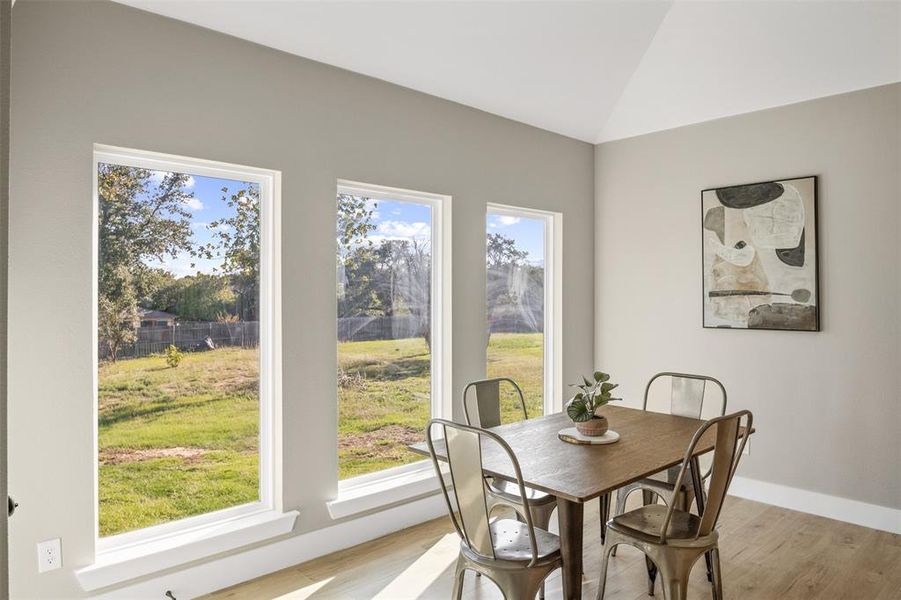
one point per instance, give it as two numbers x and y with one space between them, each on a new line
516 555
674 539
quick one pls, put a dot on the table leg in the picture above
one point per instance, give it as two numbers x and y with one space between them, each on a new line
604 511
698 486
570 515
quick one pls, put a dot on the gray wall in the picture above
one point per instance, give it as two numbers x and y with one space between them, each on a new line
98 72
5 22
826 404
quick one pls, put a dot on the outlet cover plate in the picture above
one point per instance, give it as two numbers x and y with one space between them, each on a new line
50 555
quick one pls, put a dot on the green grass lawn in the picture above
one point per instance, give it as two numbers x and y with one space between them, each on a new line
177 442
384 395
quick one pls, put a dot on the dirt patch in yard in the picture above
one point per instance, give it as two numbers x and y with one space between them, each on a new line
120 456
380 442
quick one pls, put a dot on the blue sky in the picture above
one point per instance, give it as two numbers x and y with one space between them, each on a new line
392 219
405 220
206 206
527 233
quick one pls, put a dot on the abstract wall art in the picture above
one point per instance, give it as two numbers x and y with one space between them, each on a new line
760 255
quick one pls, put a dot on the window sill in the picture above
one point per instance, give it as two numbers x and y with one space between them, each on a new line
371 492
144 558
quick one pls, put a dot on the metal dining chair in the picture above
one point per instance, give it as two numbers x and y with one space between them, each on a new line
674 539
482 408
516 555
686 399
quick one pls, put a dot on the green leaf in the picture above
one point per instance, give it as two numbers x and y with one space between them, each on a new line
578 411
600 376
606 387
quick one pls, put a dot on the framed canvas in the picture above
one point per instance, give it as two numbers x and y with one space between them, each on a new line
760 256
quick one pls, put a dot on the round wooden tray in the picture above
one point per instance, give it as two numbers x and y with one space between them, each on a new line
571 435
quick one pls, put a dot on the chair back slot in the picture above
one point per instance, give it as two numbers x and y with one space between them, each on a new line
464 457
482 401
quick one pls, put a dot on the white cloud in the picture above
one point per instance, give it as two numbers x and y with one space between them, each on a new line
506 220
157 177
404 230
194 203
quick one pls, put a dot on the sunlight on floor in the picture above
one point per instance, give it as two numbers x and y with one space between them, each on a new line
422 573
306 591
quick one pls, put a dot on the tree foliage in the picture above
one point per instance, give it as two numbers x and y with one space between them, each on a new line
139 220
236 239
200 297
515 288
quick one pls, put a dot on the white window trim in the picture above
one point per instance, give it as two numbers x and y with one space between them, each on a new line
379 489
372 490
553 298
259 516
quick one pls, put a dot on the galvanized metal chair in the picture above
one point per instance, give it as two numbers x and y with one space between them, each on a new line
686 400
516 555
675 539
482 408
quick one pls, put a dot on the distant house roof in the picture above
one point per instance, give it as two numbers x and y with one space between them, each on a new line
146 313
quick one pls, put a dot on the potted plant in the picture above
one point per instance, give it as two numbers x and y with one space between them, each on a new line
592 395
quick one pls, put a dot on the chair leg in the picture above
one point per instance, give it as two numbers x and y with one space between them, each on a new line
717 575
622 494
519 585
675 588
459 573
647 498
602 583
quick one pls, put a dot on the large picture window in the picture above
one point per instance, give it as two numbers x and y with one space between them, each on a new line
183 340
520 294
393 332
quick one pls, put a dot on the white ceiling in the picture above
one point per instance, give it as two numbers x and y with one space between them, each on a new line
596 71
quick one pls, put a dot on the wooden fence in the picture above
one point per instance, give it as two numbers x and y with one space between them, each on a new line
189 336
365 329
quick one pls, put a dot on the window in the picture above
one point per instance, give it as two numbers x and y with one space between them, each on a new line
186 360
393 323
522 301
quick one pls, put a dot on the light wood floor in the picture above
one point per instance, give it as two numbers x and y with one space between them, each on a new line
768 553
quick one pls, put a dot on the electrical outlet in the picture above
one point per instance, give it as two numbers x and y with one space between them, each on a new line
50 555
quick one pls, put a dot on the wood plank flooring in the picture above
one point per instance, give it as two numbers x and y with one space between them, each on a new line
768 553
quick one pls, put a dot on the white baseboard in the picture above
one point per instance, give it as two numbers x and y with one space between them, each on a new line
815 503
236 568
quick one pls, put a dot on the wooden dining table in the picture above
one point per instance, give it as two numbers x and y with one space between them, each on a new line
649 443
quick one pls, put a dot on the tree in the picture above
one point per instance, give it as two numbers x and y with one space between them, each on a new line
237 241
117 312
515 289
200 297
138 221
403 281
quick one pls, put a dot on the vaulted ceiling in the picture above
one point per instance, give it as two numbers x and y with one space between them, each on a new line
596 71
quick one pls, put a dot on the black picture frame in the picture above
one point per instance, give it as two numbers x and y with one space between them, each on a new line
814 220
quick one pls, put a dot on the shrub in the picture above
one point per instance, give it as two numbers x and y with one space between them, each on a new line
173 356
